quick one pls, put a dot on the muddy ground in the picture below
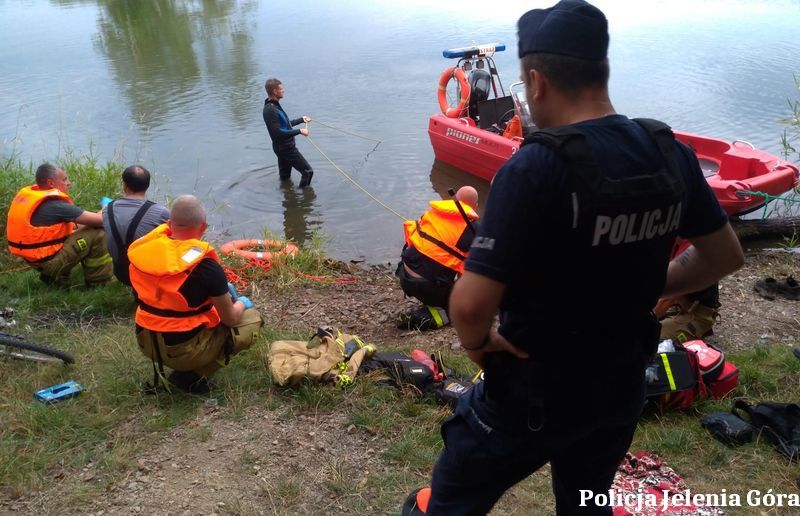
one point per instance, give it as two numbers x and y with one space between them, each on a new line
268 462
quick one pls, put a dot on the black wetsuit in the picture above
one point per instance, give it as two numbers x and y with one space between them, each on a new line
281 131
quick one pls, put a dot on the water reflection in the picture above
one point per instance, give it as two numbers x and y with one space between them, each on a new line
161 52
299 221
444 176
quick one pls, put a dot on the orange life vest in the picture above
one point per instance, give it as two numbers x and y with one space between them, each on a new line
159 267
35 243
438 231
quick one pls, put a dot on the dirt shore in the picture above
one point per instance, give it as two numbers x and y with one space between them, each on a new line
266 462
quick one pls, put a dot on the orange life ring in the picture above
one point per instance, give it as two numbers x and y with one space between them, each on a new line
463 84
267 249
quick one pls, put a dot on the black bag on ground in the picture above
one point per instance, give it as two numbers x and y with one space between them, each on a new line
727 428
778 422
673 379
449 390
401 370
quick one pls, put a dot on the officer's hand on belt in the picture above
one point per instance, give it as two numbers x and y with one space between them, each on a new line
246 302
232 290
492 343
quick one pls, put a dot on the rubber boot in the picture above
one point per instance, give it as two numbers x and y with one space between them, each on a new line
695 323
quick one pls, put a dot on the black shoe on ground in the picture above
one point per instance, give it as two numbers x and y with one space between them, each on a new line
789 288
306 181
766 288
189 381
423 319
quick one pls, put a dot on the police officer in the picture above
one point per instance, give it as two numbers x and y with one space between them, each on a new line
574 251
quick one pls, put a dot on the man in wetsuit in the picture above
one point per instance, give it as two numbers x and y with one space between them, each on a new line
281 131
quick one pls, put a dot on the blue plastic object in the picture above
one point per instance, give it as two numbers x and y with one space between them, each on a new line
60 392
474 51
232 290
246 301
104 201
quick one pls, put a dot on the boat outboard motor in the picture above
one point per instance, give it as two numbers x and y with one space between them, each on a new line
480 81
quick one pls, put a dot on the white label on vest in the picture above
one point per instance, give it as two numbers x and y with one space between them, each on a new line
191 255
635 227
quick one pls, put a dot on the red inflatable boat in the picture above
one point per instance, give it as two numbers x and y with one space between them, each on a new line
474 136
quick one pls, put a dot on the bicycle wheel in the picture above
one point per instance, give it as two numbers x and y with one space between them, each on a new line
17 347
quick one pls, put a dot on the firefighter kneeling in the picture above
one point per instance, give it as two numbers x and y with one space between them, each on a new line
187 317
433 257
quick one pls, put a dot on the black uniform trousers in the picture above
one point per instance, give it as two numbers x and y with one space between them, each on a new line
291 158
590 408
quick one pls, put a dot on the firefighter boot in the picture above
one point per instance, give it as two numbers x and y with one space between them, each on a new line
695 323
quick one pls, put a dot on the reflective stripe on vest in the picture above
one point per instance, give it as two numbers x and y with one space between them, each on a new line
438 231
35 243
159 267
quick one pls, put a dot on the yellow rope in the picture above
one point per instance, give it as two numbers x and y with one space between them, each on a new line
378 201
346 132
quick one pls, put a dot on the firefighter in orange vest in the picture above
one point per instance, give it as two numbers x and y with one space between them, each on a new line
41 229
188 317
433 257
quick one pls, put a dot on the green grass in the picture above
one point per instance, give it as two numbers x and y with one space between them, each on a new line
309 267
91 181
113 422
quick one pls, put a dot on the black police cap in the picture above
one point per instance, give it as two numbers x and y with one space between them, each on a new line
570 28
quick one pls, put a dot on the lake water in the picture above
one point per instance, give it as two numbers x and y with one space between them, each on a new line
177 86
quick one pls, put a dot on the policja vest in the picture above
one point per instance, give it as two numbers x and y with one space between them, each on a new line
438 231
618 225
159 267
35 243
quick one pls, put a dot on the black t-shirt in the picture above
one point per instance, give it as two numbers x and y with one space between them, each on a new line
54 211
429 268
525 239
206 280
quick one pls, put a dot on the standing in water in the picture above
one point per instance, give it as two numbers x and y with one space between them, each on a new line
282 134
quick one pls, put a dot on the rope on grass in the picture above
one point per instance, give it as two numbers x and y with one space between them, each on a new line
18 269
238 275
235 274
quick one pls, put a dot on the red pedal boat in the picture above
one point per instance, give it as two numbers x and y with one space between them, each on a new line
474 136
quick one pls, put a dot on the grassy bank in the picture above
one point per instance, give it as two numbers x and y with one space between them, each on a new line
71 455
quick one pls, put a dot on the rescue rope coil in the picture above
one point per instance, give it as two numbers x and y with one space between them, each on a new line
463 84
266 249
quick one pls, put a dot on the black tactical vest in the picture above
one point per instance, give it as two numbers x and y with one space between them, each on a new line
609 262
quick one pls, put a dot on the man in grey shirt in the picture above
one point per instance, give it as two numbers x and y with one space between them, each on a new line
130 217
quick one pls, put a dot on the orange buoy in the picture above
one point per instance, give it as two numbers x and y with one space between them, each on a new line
266 249
448 110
